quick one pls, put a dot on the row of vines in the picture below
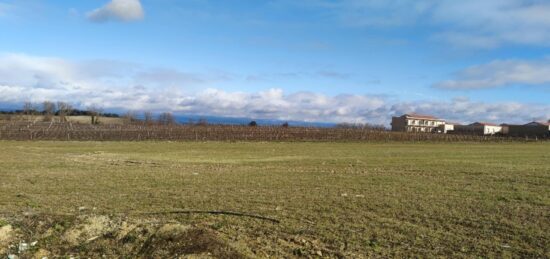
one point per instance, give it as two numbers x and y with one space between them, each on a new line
83 132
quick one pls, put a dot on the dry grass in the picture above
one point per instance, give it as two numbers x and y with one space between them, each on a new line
333 199
88 120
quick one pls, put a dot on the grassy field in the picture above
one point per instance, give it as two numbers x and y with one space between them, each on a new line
348 200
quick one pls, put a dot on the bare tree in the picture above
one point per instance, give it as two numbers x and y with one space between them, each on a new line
64 110
49 110
363 126
148 118
130 117
28 110
202 122
95 112
166 118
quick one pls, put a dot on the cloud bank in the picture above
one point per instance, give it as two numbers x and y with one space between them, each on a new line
501 73
128 86
118 10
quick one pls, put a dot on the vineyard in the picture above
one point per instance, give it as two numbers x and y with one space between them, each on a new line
21 130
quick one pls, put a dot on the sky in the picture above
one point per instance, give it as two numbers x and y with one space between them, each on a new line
356 61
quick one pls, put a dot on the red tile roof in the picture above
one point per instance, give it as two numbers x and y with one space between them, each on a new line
420 116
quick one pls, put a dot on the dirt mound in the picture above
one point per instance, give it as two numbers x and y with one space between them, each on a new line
93 228
100 236
174 240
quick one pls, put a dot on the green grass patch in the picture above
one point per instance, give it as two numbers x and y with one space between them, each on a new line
336 199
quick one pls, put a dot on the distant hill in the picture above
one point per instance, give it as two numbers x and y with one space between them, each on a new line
244 121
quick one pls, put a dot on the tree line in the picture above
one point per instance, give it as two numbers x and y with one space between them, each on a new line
62 110
48 110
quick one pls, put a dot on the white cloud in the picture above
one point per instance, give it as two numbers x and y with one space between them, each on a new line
275 104
48 72
128 86
496 21
501 73
367 13
464 23
121 10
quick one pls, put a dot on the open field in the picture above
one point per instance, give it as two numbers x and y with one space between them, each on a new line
348 200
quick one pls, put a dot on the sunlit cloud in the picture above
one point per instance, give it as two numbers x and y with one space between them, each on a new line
118 10
466 23
501 73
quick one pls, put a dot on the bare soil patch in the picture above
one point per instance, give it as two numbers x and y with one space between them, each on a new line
98 236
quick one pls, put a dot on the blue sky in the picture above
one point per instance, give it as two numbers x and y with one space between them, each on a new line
313 60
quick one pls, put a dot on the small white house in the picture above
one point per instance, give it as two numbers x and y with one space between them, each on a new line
488 128
448 127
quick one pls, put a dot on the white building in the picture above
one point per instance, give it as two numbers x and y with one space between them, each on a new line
417 123
448 127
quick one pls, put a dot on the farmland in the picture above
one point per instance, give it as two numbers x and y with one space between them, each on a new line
156 199
39 130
